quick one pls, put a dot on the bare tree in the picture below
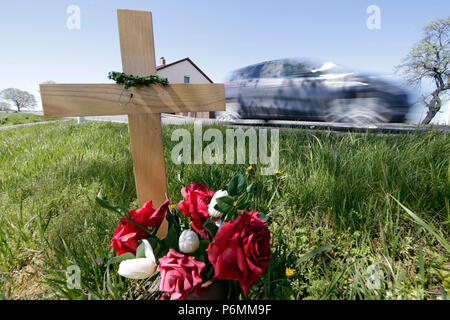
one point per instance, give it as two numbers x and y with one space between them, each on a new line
20 99
430 60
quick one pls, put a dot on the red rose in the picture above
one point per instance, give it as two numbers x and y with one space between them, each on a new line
180 275
241 250
195 206
127 234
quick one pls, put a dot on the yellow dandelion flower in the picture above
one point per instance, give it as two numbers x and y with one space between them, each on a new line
289 272
278 173
312 127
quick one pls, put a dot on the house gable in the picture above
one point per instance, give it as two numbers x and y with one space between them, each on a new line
178 70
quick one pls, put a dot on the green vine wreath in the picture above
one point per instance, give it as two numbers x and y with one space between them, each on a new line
129 80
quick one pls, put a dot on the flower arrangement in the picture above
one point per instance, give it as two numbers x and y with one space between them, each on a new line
211 238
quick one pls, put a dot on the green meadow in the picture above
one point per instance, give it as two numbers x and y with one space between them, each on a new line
354 216
9 119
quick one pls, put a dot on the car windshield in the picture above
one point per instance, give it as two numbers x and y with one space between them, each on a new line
284 69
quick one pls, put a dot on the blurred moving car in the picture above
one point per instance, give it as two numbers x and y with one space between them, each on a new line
291 89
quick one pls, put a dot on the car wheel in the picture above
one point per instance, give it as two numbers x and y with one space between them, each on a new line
360 111
231 114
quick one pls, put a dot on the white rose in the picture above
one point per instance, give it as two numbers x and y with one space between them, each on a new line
141 268
213 213
188 241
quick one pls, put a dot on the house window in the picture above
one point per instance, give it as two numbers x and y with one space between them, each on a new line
187 79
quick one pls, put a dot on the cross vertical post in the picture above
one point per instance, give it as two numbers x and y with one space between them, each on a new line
138 58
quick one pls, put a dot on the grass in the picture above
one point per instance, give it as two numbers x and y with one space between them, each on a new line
336 221
9 119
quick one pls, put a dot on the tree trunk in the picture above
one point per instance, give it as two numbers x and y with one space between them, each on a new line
433 106
429 117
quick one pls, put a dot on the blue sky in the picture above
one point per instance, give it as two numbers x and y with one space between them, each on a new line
218 36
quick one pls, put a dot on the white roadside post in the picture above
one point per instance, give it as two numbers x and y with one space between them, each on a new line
448 113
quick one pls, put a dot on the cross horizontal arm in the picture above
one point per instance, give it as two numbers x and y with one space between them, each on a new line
69 100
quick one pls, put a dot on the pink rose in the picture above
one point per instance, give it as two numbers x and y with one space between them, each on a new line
180 275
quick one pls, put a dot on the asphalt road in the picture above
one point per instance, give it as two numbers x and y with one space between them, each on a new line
3 128
381 127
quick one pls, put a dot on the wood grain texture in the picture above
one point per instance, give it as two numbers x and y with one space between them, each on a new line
68 100
138 58
136 42
148 158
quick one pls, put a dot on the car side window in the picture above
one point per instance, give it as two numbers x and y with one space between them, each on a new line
251 72
296 70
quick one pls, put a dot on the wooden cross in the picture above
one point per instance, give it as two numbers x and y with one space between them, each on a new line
144 118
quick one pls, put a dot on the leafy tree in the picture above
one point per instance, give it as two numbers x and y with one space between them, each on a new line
4 106
430 60
20 99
